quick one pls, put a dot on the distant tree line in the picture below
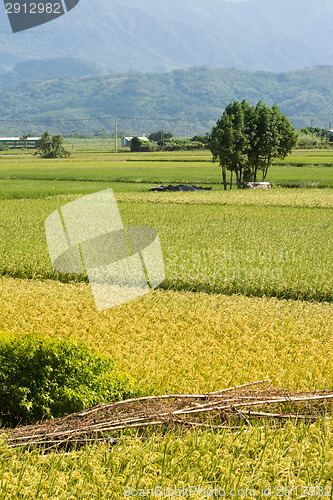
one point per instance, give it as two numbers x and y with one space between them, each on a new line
246 140
165 141
314 137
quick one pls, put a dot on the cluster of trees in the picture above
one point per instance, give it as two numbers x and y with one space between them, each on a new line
321 133
248 138
166 141
159 137
314 137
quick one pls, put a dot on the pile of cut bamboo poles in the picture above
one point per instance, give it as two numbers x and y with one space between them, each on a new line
225 409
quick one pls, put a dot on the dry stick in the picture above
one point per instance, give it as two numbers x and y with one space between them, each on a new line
145 398
116 428
89 428
42 431
170 396
240 387
54 444
255 403
288 399
242 416
111 428
43 443
199 424
93 428
277 415
211 404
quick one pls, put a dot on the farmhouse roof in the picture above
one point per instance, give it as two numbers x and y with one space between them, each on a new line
19 139
141 138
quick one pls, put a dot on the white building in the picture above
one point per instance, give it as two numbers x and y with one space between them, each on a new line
126 141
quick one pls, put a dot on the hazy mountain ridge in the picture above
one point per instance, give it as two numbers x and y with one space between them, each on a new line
184 101
155 35
47 69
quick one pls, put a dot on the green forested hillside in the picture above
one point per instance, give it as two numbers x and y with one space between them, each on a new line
185 102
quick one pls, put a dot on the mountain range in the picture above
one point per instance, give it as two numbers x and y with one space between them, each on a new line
162 35
183 101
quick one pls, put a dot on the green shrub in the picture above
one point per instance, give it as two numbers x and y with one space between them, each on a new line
136 144
182 145
50 377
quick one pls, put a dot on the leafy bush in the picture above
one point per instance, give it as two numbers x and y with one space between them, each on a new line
3 147
321 133
312 141
182 145
46 378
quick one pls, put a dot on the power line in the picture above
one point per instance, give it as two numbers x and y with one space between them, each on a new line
111 117
156 119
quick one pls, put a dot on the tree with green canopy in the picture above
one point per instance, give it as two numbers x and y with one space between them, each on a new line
229 142
248 138
159 136
51 146
136 144
273 137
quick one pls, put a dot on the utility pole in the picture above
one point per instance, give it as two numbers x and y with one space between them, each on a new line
103 138
312 123
72 138
162 138
330 126
115 134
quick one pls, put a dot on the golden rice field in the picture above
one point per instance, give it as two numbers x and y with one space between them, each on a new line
200 331
190 342
288 463
171 341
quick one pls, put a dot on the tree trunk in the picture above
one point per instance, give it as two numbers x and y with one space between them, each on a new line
224 175
265 171
237 177
231 180
240 177
256 169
